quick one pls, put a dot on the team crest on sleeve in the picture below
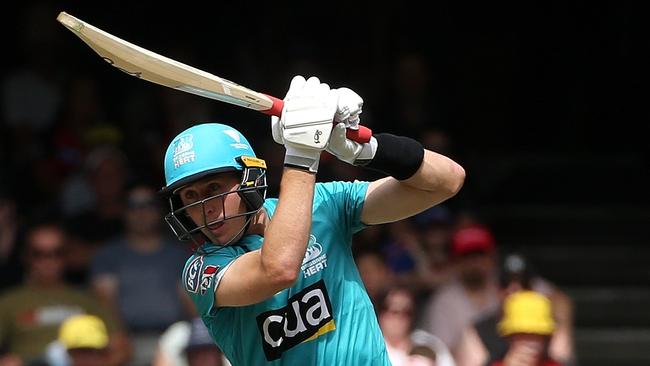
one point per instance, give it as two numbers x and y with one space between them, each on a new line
207 277
192 274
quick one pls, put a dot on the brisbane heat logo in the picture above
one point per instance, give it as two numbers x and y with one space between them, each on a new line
315 259
183 152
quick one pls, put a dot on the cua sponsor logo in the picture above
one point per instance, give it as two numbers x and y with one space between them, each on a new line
308 314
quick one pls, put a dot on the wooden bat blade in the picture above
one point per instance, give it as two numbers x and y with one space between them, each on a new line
144 64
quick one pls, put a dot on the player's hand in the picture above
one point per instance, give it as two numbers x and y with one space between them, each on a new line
349 108
306 123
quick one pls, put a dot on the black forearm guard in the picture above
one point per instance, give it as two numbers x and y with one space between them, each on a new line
397 156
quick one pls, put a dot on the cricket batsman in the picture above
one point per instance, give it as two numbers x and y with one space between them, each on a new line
274 279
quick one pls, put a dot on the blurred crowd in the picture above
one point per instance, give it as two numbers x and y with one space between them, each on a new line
444 294
90 276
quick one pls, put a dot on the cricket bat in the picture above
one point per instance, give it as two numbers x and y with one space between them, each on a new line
144 64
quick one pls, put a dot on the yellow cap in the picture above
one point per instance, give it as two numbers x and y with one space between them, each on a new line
526 312
83 331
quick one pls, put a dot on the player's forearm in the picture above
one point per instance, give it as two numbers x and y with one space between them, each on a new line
436 179
437 174
286 237
406 160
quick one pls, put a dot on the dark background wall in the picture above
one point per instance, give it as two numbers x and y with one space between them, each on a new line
541 77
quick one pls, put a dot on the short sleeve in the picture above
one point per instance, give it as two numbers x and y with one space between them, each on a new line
345 201
201 277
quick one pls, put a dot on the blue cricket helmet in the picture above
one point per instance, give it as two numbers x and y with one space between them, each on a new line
203 150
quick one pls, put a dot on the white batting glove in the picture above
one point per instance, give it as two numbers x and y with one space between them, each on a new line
348 108
306 123
350 151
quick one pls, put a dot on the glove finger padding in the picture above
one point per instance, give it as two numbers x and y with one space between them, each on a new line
349 108
297 84
306 122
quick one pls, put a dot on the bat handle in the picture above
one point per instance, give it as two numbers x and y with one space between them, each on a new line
362 135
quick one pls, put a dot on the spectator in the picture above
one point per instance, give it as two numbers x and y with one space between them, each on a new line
82 124
473 290
399 248
396 319
137 275
85 340
408 257
481 344
201 349
30 314
528 324
187 343
433 230
96 193
375 273
93 204
428 350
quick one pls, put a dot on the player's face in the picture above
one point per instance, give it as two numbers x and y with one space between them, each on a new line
216 212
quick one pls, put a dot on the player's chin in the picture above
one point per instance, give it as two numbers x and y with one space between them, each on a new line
222 233
218 228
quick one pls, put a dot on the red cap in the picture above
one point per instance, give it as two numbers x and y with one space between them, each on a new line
471 239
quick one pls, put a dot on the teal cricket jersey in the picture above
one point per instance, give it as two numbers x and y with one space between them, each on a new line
325 318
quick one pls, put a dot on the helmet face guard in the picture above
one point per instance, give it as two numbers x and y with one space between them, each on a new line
252 191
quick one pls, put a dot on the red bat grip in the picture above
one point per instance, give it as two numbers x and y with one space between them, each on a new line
362 135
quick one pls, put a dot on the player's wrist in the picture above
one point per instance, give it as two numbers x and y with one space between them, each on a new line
366 153
304 159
